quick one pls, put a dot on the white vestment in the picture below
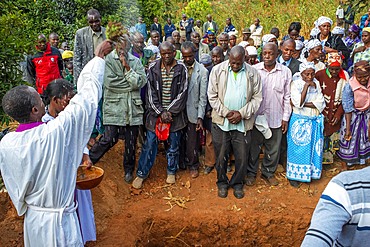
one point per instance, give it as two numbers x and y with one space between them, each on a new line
39 165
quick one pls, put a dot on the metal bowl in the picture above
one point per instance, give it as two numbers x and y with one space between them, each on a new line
88 178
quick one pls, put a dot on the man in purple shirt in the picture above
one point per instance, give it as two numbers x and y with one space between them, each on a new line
276 108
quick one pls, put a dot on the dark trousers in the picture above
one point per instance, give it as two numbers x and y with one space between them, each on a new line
189 147
223 141
110 138
271 153
283 151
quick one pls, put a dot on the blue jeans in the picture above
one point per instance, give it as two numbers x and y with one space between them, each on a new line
149 152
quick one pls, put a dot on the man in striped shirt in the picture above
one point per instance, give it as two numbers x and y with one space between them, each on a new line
342 215
166 101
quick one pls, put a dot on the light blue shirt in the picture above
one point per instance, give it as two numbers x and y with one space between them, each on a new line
235 97
281 60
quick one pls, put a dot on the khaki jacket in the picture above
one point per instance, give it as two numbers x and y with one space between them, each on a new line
122 104
217 89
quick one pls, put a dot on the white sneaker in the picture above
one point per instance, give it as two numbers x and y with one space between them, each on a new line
138 183
171 179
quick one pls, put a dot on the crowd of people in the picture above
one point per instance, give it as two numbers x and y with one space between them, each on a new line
300 101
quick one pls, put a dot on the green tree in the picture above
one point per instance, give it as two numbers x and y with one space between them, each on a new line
198 9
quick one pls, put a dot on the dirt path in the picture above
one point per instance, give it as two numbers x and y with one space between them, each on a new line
266 216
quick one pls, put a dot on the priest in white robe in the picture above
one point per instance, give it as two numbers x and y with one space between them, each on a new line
39 161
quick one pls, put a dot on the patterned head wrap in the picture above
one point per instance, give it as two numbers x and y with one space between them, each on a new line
266 38
312 44
324 19
210 31
338 30
306 65
362 67
298 45
354 28
366 29
335 57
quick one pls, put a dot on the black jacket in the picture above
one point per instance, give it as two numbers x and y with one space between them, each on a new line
336 42
154 27
179 90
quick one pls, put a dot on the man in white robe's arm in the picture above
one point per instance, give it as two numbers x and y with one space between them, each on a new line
39 162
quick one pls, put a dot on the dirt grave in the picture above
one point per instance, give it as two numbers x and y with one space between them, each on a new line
188 213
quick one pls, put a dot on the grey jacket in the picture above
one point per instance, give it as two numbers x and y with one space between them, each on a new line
122 104
83 49
197 93
217 89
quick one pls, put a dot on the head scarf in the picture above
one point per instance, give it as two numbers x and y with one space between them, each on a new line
266 38
205 59
335 60
314 32
210 31
302 67
335 56
354 28
298 45
338 30
362 67
324 19
251 50
366 29
244 44
306 65
312 44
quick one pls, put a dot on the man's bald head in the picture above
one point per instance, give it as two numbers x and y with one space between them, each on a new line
270 46
166 45
236 58
237 51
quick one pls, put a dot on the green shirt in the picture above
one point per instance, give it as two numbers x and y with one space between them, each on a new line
235 97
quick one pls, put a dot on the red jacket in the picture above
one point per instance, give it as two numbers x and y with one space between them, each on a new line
43 67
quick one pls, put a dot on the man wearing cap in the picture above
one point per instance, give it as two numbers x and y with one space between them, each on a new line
166 103
256 30
361 50
247 36
195 106
252 55
45 66
235 94
210 25
275 106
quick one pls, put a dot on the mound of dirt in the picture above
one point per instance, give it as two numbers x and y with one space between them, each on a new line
188 213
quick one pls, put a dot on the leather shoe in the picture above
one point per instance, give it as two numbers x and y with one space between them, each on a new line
271 180
194 173
294 183
222 192
238 193
250 181
208 169
128 177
